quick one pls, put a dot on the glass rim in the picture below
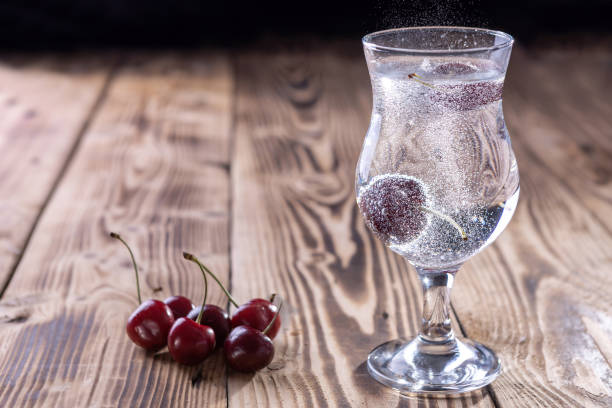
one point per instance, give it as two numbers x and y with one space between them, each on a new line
368 40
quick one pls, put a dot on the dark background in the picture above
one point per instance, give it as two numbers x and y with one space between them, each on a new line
59 24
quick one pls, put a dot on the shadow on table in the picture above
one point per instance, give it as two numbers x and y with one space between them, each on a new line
467 399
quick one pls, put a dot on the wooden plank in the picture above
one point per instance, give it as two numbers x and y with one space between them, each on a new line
44 103
301 119
154 166
540 295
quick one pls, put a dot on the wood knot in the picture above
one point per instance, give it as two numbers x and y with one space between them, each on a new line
20 318
587 149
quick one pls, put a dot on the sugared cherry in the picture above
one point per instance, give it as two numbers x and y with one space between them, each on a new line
190 342
180 306
391 208
466 95
150 323
454 68
248 349
394 208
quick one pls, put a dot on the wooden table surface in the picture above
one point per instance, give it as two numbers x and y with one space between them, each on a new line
247 159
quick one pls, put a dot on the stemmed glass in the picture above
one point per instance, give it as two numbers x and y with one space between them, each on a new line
437 181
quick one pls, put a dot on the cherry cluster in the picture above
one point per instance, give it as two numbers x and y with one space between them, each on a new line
193 333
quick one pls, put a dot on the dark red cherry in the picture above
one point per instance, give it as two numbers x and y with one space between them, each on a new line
180 305
259 301
216 318
190 343
248 349
149 325
257 313
210 315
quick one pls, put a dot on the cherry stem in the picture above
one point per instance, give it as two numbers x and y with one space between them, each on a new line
199 319
415 77
117 236
447 219
192 258
280 305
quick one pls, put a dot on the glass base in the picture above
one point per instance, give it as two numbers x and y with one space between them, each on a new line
422 367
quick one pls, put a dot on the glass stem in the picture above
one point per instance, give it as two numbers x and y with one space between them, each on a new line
436 324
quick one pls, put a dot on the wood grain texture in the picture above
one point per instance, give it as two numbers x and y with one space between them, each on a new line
540 296
301 119
44 103
153 166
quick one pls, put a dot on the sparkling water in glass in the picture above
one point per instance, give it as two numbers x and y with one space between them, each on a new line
437 181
